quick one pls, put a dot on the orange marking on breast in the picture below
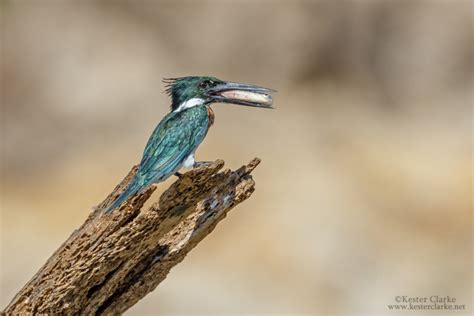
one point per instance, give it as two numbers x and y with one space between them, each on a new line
210 114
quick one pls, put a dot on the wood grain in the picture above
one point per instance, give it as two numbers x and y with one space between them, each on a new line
113 260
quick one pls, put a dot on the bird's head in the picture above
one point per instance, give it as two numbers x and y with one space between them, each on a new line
187 92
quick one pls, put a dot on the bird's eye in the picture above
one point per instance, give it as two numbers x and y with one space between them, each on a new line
204 85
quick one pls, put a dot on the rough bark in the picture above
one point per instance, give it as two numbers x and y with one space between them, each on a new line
113 260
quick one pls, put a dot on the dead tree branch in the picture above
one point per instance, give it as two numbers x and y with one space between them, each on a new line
113 260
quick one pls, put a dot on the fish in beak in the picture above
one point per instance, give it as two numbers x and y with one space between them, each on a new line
242 94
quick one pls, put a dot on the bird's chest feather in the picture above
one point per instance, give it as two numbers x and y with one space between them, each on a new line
210 115
199 117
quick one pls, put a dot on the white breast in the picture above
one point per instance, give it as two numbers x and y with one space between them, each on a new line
189 162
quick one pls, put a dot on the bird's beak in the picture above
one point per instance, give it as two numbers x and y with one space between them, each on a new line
242 94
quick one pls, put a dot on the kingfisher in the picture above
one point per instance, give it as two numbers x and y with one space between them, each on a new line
174 141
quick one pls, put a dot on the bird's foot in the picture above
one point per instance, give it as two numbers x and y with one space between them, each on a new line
198 164
178 174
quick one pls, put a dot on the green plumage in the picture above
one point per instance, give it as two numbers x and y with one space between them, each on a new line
181 131
175 138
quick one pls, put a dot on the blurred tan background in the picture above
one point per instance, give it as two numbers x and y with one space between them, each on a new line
364 192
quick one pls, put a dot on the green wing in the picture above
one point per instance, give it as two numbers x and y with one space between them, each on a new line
176 137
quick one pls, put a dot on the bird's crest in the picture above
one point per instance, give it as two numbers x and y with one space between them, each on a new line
169 82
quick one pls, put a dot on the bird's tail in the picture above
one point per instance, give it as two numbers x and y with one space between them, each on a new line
131 190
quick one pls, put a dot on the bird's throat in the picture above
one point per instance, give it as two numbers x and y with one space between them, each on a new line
189 104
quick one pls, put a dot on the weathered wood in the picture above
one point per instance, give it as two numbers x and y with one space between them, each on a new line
113 260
